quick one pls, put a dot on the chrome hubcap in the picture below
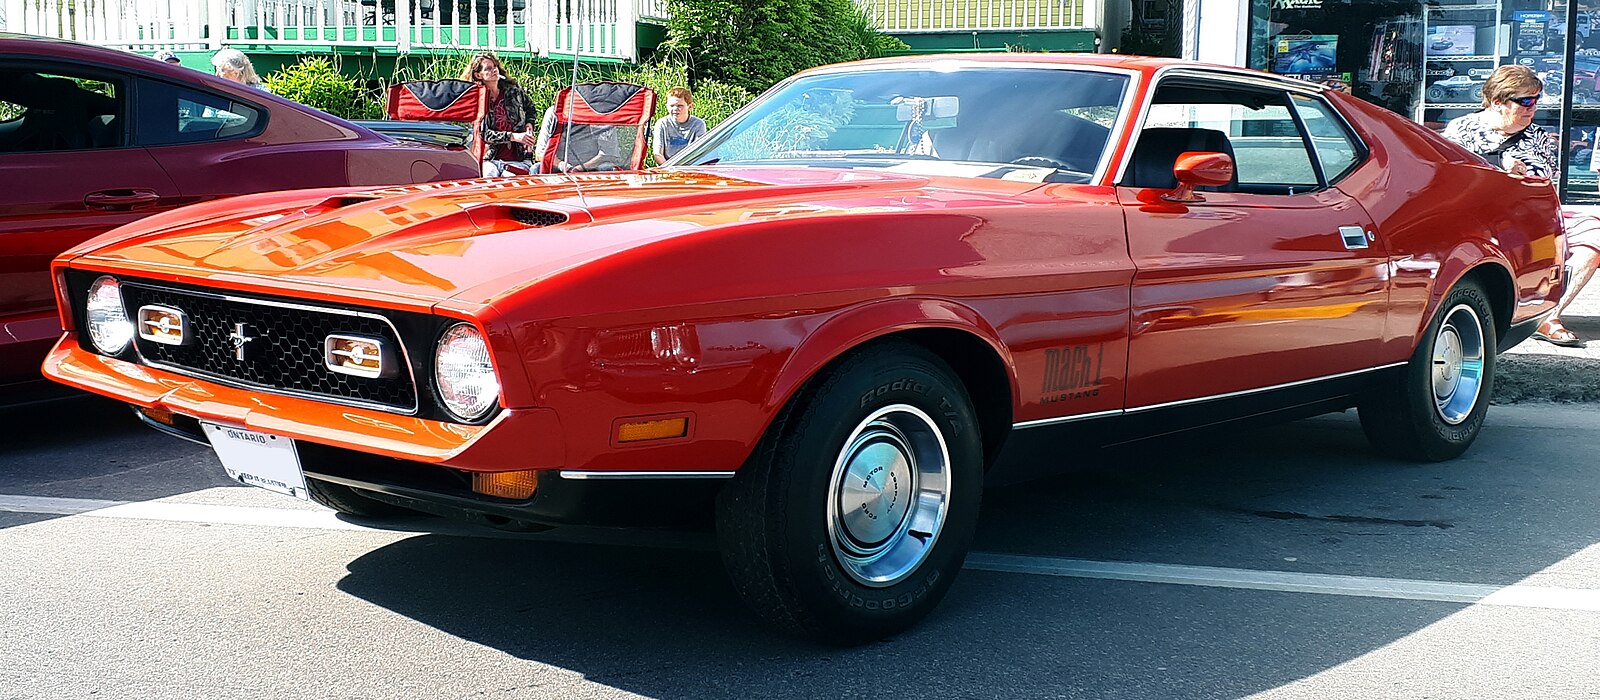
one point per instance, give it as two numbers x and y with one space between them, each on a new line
888 495
1458 355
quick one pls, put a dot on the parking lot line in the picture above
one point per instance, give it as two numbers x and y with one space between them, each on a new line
1180 574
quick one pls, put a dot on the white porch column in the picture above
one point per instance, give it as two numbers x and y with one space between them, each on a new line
217 22
402 24
15 21
1216 31
628 29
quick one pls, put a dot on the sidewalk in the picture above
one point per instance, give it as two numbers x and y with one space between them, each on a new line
1538 371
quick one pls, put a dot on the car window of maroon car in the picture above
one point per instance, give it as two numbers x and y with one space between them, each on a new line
173 114
57 109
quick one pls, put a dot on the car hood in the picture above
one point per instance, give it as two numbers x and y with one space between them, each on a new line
476 240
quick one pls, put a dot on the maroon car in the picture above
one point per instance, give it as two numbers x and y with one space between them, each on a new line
92 138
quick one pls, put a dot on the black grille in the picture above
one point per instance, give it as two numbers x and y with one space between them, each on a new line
286 354
537 217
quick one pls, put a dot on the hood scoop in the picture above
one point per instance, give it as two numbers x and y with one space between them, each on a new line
339 202
534 217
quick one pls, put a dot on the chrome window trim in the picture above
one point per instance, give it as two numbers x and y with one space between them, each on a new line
405 355
1203 399
1129 90
1221 74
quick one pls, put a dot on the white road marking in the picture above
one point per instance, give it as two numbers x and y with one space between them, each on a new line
1293 582
1209 576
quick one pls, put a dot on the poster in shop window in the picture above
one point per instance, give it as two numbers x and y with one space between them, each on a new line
1530 32
1306 56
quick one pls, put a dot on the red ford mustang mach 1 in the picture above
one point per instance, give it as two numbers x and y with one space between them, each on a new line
833 311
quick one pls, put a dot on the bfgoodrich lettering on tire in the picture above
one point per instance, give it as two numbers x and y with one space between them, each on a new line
854 515
1435 412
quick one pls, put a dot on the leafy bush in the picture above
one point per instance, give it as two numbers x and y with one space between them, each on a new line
755 43
317 82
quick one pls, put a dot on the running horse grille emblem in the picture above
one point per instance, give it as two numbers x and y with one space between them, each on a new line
240 340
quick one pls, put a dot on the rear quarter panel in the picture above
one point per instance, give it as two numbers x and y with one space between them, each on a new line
1444 212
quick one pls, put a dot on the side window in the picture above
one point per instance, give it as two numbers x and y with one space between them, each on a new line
45 109
1338 152
1255 126
173 114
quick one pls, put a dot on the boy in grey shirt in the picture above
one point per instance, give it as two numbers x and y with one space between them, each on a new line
677 130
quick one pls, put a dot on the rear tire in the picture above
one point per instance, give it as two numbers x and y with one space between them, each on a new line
1436 410
351 501
853 517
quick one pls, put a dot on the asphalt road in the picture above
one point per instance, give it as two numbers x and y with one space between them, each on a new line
1284 562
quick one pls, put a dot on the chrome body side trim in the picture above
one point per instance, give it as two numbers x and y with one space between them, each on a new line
1066 419
1202 399
1275 387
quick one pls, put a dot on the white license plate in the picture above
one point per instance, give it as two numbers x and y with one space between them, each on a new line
258 459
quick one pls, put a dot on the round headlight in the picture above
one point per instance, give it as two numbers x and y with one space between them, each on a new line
109 327
466 379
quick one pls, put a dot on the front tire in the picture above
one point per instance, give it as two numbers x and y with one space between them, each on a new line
854 515
350 501
1435 412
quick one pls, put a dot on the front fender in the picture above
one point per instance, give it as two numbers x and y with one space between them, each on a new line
864 323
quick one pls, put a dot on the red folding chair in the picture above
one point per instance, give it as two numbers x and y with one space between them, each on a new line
446 100
603 110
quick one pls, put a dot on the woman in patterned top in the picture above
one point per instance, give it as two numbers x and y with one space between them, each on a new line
507 127
1503 132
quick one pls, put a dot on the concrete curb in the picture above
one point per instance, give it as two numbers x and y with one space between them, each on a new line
1536 371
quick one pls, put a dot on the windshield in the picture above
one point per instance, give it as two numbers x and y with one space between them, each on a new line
1016 123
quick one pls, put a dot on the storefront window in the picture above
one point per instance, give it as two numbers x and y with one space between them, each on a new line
1429 60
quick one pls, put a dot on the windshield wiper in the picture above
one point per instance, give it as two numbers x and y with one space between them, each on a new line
893 156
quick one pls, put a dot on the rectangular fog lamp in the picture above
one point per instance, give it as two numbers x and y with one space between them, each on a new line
653 430
163 324
356 355
517 485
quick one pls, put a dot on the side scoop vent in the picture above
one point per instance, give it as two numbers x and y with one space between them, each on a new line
333 203
537 217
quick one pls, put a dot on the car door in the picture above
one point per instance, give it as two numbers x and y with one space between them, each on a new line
1276 279
70 173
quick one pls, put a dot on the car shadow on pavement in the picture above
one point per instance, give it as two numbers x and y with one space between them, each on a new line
1307 497
94 449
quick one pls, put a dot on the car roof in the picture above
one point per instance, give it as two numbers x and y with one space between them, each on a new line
13 45
1146 65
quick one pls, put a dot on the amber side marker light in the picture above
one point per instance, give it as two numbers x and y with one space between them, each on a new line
517 485
665 428
158 415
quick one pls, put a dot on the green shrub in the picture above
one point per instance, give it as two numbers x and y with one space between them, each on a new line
755 43
317 82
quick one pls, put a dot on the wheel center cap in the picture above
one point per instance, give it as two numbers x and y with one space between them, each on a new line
876 493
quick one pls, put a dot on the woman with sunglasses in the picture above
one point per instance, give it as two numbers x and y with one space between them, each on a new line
1503 132
507 126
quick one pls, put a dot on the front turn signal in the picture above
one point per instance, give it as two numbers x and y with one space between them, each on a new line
515 485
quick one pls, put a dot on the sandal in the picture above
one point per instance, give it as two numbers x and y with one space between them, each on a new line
1554 333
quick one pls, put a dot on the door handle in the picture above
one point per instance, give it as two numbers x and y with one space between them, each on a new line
115 199
1354 237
